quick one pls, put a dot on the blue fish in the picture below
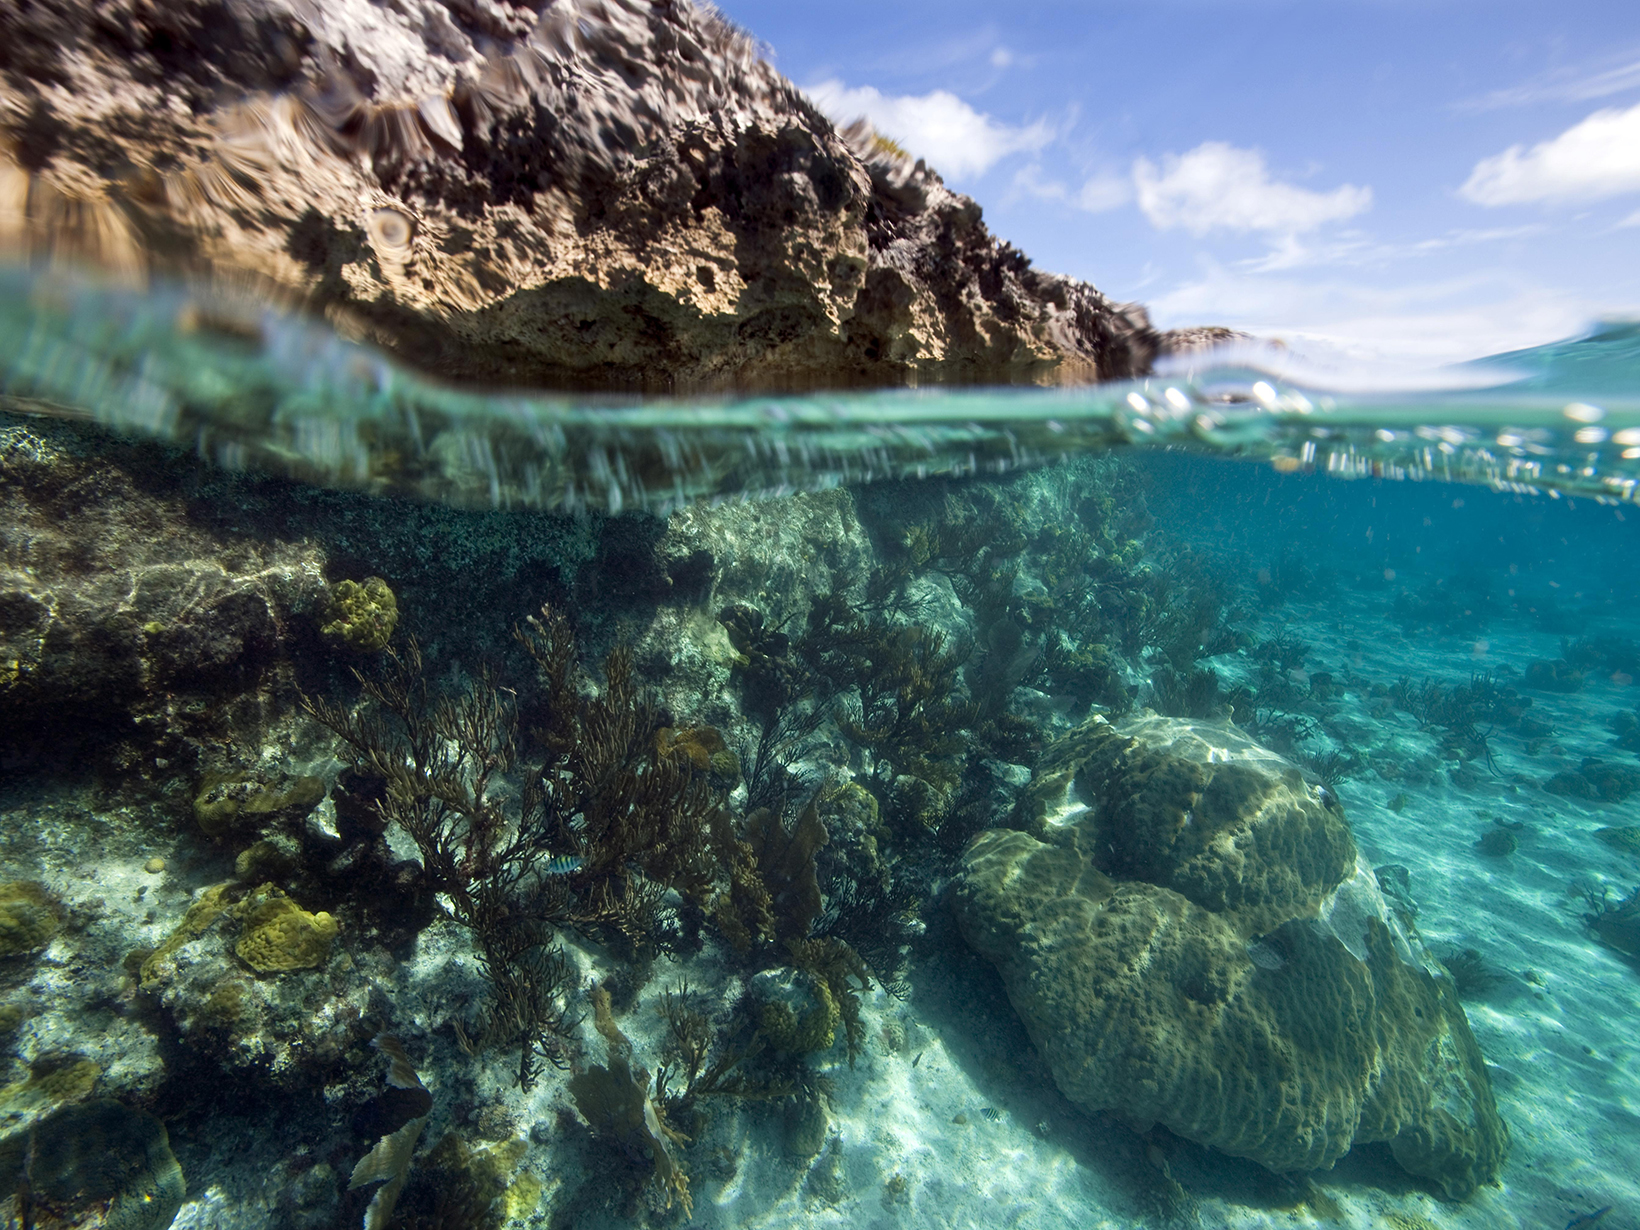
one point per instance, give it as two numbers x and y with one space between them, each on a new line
1587 1219
564 864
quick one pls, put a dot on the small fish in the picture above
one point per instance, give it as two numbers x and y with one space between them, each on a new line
1588 1219
917 1060
564 864
991 1113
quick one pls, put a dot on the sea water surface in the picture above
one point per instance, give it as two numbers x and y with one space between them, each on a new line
1487 533
251 387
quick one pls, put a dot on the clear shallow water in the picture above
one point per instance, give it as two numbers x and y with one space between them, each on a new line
251 388
1330 609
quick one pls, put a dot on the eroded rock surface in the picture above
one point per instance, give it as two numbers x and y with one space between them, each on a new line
588 193
118 610
1203 948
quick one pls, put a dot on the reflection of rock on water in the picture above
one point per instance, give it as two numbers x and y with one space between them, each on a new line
1203 948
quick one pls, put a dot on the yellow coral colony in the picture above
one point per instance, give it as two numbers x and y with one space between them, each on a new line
280 935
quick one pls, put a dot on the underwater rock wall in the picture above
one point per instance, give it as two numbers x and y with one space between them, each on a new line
612 194
1202 948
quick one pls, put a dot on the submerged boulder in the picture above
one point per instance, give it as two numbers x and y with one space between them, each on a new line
1202 947
587 193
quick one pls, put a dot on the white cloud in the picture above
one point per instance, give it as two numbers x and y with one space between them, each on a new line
1097 195
1597 158
1002 57
1380 334
1217 186
1354 248
954 138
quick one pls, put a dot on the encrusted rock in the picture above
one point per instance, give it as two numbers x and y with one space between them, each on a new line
118 609
589 192
1202 947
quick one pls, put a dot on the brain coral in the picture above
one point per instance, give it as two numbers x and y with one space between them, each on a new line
1202 948
279 935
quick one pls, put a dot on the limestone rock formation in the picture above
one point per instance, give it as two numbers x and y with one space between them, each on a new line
578 193
1203 948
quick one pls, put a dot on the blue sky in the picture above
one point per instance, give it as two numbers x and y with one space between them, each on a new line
1419 180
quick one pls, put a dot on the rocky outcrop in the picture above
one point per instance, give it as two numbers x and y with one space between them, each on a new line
1203 948
582 193
119 613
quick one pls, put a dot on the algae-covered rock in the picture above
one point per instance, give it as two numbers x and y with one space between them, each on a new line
96 1164
204 910
228 802
280 935
1203 948
362 615
53 1081
28 917
255 984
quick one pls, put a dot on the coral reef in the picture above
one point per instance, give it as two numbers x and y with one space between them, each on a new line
1245 1027
125 623
606 823
278 935
1616 924
1598 781
230 804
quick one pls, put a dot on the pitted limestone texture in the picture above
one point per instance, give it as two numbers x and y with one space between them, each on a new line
95 1164
1201 947
280 935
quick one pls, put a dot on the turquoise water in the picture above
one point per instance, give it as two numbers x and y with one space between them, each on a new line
889 615
252 388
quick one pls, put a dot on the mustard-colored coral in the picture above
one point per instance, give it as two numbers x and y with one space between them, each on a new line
28 917
361 616
280 935
52 1082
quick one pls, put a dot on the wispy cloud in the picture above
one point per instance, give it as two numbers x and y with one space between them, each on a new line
1355 249
952 136
1380 327
1590 161
1096 195
1217 186
1563 85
